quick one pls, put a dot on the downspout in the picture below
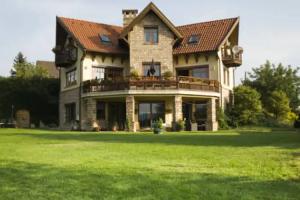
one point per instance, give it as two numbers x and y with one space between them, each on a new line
221 89
80 86
233 86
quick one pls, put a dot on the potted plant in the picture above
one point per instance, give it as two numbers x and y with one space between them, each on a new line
168 75
157 126
134 74
114 126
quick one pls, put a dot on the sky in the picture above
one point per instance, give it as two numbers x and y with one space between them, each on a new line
269 29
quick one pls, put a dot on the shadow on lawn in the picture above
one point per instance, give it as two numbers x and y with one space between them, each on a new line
22 180
243 139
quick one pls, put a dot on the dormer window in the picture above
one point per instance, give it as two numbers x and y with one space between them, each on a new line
194 39
105 39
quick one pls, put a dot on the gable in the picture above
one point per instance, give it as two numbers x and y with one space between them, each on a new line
211 35
150 8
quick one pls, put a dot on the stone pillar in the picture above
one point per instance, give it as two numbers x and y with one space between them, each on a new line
89 114
130 108
211 124
177 110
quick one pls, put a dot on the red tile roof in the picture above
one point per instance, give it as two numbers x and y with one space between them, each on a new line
211 34
87 33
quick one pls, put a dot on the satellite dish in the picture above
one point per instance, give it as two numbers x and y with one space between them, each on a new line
236 49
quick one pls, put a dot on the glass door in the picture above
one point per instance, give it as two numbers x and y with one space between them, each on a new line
149 112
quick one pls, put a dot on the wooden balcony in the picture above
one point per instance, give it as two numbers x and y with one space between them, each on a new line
66 57
231 59
151 83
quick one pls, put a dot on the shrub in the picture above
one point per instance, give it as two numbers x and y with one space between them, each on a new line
157 126
128 124
222 119
247 107
180 125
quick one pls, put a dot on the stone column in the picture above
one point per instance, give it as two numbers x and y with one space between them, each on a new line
177 110
89 114
211 124
130 108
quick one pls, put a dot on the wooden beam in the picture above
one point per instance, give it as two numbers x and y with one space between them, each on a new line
103 57
176 60
187 58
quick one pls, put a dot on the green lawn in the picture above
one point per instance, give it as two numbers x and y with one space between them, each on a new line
236 164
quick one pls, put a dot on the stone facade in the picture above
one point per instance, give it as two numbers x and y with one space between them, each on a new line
88 114
130 115
67 97
141 52
177 110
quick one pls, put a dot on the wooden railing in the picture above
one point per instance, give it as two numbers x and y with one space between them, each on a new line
231 59
153 83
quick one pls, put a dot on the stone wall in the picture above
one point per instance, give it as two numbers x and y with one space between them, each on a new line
141 52
211 124
66 97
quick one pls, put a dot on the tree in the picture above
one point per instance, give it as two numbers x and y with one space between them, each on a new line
38 95
278 104
247 106
20 59
269 78
24 69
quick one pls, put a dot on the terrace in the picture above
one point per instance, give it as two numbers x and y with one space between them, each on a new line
151 83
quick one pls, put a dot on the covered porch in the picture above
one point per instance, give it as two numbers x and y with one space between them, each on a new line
140 111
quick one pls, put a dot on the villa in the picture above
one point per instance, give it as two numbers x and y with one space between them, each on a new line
145 70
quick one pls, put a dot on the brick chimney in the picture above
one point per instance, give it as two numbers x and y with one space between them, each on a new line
128 16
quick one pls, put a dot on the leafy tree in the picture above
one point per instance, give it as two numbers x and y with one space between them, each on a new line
278 104
247 106
24 69
269 78
279 108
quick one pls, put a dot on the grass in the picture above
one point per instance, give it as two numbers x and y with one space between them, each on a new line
236 164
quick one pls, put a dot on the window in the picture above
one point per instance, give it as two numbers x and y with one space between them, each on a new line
113 73
200 72
194 39
98 73
105 39
149 112
70 112
71 77
151 69
100 107
200 111
226 76
151 35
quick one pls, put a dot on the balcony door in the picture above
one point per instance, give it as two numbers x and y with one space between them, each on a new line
149 112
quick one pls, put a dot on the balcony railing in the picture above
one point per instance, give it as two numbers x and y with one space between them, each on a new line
65 57
231 59
151 83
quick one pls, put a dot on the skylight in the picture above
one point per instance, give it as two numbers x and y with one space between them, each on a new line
105 39
194 39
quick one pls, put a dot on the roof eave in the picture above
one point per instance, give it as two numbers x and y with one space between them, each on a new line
236 23
58 19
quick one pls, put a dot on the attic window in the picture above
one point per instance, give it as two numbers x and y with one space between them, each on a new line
105 39
194 39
